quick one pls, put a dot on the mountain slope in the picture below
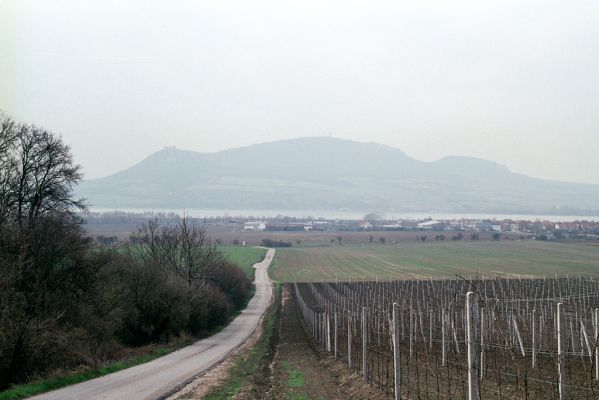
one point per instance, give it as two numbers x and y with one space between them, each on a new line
331 174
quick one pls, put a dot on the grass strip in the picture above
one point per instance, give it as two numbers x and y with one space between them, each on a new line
295 377
46 385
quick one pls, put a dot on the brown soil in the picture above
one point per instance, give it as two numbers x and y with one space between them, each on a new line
324 377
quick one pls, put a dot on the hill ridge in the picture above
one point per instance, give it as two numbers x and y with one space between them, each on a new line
326 173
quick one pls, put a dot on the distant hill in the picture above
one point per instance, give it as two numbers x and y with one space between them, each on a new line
332 174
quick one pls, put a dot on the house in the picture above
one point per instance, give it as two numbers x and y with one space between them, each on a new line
254 226
365 225
484 226
431 225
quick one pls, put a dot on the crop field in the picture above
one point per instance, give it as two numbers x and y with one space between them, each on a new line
244 257
434 259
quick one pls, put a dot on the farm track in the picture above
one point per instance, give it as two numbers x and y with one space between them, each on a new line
164 376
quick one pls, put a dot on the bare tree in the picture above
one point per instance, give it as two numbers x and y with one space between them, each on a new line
8 134
184 249
153 243
37 175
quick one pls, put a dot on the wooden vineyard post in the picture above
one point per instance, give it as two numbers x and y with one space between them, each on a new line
411 332
482 343
596 344
335 331
328 318
472 321
349 339
396 355
313 324
443 340
364 350
518 336
560 354
323 330
319 328
430 328
534 339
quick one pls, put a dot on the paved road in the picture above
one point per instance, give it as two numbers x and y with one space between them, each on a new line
163 376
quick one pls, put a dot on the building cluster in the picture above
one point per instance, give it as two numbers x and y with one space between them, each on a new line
543 229
551 229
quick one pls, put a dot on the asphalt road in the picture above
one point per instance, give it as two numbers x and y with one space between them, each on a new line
163 376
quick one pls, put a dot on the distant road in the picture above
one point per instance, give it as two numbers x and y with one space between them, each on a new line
163 376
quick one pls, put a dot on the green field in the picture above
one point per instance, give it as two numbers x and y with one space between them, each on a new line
435 259
245 257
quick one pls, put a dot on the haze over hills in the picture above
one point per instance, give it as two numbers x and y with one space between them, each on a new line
325 173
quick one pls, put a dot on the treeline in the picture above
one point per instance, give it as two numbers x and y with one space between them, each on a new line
66 302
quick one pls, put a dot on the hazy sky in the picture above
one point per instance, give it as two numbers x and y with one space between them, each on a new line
512 81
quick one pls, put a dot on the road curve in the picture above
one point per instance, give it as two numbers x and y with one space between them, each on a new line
159 378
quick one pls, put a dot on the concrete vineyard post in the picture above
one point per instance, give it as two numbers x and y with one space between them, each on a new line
443 340
482 343
560 354
335 332
534 339
349 339
411 333
471 323
364 349
430 328
396 354
597 344
328 318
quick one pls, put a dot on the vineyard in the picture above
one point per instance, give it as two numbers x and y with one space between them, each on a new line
534 338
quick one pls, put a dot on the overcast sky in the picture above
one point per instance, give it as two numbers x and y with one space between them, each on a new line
512 81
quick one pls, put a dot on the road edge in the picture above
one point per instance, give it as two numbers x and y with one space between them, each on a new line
182 385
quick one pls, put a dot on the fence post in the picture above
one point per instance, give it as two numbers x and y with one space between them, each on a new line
364 350
560 354
472 321
396 355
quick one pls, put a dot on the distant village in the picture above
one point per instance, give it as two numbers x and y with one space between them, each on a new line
538 229
546 230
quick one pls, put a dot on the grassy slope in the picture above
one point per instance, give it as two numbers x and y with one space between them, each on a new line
244 257
436 259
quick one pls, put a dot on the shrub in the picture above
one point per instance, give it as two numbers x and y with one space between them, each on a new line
279 243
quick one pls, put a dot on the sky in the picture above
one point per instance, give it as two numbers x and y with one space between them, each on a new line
512 81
